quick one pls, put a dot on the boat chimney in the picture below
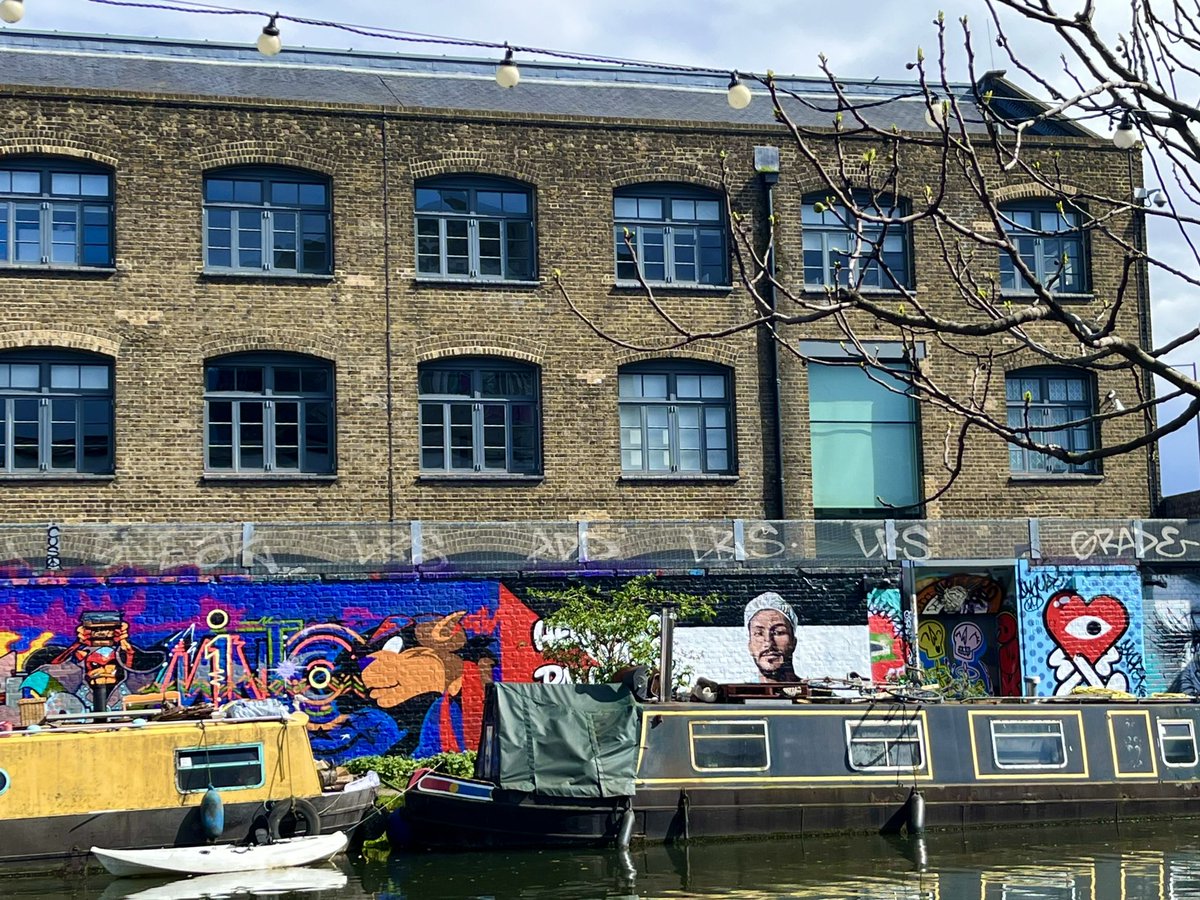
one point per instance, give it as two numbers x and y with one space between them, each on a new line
666 677
1031 685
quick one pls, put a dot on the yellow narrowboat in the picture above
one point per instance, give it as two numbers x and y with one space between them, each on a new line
140 783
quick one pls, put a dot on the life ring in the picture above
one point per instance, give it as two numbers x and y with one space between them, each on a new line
296 810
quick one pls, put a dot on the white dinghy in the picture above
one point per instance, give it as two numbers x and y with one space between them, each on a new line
300 851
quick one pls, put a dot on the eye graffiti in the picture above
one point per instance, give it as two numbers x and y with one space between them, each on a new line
1086 632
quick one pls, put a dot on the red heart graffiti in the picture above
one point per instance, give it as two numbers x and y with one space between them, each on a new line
1085 628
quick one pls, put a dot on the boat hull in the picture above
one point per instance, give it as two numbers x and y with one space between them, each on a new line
224 859
56 837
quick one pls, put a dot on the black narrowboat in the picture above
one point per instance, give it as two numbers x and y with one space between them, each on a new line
576 764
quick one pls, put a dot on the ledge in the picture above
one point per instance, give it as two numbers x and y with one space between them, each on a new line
865 291
1051 478
677 478
44 477
221 275
479 478
266 478
673 286
47 271
1086 297
446 281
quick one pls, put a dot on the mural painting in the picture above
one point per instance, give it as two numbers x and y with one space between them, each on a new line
1082 628
890 648
401 668
960 631
1173 633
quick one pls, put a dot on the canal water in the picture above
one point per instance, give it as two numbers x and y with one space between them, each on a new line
1094 862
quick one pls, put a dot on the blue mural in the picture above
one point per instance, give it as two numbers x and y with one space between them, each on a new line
1081 627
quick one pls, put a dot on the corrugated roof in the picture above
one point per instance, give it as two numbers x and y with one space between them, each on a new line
105 63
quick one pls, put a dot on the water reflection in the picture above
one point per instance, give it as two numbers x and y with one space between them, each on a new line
1083 863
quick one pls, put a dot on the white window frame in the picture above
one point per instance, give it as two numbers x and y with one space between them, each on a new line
915 726
693 737
1162 739
1060 734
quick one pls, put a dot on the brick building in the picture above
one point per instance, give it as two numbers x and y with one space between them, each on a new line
297 281
319 288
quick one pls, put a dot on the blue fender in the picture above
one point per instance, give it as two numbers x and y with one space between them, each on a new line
212 814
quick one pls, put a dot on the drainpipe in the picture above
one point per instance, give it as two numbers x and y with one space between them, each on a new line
1145 330
766 163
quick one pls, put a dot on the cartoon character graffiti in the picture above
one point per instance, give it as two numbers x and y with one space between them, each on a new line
969 646
1086 632
931 643
103 651
959 594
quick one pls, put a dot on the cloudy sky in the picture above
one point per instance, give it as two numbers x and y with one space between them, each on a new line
786 36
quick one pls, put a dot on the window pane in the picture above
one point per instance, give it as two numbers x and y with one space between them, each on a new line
26 182
247 191
218 190
23 375
64 183
285 193
65 377
94 186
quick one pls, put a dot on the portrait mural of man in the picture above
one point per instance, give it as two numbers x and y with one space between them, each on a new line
771 625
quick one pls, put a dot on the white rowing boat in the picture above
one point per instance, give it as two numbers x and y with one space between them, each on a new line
213 860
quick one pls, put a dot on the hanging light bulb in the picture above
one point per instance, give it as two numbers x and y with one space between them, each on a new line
269 43
507 73
738 95
1125 137
11 10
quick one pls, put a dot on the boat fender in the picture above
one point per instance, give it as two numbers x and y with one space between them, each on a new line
626 833
299 809
916 812
212 814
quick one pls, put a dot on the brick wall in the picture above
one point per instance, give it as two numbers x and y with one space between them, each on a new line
159 316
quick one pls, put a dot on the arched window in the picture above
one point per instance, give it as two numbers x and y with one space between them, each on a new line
677 231
676 416
56 412
840 250
268 413
1051 244
479 414
1057 406
474 227
266 219
55 212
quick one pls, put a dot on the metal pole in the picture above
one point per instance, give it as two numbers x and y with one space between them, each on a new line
666 678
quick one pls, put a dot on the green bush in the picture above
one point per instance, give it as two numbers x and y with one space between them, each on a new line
396 770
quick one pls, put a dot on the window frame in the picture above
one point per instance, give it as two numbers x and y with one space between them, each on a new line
823 231
764 736
1044 375
1163 739
915 726
14 400
207 754
47 204
1060 734
672 371
448 403
673 249
888 363
271 397
270 213
1036 236
473 216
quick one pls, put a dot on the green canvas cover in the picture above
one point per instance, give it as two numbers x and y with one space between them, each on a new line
566 740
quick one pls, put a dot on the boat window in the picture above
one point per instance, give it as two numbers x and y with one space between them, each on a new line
224 768
885 746
3 781
1024 744
1177 737
729 746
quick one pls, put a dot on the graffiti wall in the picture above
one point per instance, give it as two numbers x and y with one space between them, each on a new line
1082 627
1173 633
381 665
962 617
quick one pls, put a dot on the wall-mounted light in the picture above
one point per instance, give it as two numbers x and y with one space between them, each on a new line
738 94
1125 138
935 114
11 10
269 43
507 73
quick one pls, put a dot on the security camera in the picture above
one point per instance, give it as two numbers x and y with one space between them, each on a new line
1159 199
